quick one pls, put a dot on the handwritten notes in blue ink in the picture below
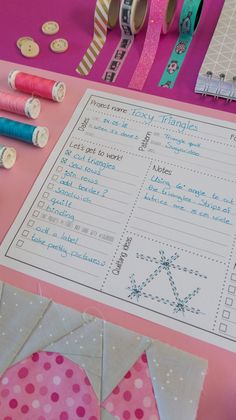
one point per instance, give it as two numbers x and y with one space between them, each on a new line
136 207
82 207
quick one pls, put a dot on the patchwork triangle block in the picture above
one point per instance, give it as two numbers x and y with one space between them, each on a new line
51 354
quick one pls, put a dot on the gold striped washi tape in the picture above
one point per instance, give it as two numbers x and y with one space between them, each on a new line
106 16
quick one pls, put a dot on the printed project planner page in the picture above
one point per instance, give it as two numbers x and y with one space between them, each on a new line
136 208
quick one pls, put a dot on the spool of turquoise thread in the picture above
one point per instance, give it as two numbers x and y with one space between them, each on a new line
38 136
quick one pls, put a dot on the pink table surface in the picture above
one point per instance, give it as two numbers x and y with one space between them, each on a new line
25 17
218 398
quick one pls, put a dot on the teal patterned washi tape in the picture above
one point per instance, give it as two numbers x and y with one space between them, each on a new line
189 19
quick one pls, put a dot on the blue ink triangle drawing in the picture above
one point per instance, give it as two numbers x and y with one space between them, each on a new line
168 265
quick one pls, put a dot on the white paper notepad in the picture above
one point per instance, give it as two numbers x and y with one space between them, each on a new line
217 76
136 208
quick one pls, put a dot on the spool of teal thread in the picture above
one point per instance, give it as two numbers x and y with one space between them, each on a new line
38 136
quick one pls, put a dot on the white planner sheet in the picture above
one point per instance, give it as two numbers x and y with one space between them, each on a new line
136 208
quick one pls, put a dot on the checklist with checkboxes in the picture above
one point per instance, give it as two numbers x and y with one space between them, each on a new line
135 207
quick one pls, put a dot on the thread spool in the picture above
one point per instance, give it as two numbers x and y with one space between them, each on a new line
21 105
7 156
37 136
37 86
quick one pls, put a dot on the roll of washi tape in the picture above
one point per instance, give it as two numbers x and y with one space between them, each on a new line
38 136
105 17
7 156
189 19
132 18
161 16
38 86
22 105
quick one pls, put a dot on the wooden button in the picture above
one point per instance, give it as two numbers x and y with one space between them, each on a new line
30 49
23 39
59 45
50 28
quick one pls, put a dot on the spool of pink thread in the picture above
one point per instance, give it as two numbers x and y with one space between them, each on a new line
37 86
21 105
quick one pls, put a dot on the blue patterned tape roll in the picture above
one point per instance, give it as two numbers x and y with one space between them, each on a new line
189 19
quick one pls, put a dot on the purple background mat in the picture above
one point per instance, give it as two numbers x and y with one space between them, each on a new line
25 17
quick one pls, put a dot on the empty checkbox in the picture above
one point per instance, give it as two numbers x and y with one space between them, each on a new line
229 301
226 314
36 213
55 177
25 233
50 186
20 243
30 223
233 277
59 169
223 327
232 290
45 195
40 204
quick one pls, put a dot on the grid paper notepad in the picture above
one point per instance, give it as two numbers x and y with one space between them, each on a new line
217 76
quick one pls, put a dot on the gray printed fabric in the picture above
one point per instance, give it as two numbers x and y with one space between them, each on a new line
84 347
30 323
20 313
57 322
121 350
177 380
105 415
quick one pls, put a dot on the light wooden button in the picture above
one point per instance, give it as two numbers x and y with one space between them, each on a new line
30 49
23 39
59 45
50 28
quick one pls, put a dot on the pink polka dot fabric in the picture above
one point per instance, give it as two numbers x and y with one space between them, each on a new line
47 386
133 398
